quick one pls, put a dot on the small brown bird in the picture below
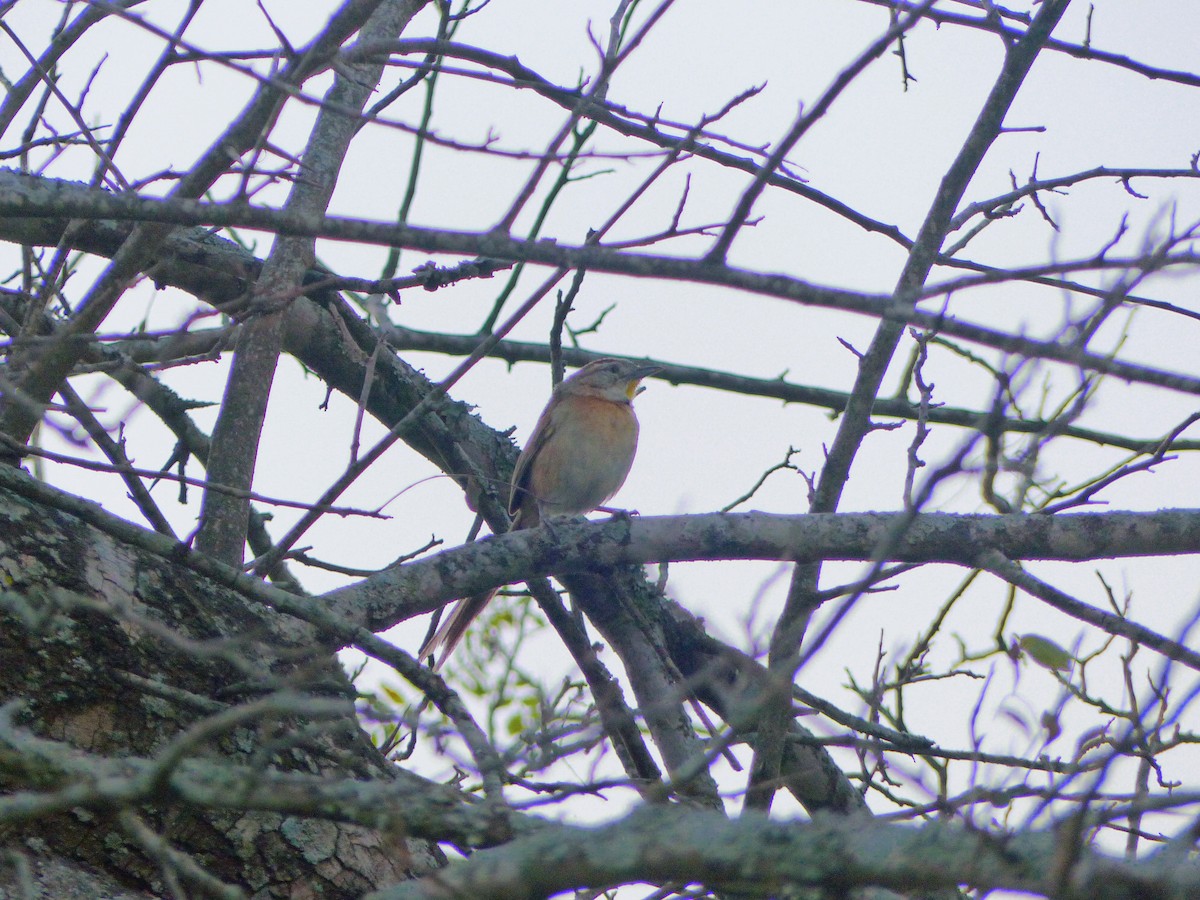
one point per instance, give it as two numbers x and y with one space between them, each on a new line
577 457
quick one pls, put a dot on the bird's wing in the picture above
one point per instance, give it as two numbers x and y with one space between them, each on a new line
542 432
523 507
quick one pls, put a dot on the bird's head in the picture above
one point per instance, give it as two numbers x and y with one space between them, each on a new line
617 380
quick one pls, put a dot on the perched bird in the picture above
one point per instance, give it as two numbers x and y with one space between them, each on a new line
577 457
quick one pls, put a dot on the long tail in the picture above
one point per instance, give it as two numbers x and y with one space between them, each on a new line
446 638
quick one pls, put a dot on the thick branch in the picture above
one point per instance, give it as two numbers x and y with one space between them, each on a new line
24 197
224 517
763 858
421 586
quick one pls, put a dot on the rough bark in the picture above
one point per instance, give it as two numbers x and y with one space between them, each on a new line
111 653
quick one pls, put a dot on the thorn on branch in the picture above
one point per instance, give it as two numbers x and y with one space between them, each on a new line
1122 229
1037 202
845 343
1125 183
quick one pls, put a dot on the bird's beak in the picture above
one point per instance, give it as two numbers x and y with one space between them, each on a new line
635 387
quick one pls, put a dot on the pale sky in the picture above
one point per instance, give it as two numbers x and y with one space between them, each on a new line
881 149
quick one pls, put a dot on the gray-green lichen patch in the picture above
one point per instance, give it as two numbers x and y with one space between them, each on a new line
315 839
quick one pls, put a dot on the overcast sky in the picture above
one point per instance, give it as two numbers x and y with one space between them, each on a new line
882 149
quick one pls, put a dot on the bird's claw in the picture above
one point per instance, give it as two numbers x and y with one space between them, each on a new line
618 514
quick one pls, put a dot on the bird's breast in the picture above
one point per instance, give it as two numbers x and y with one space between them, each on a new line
586 458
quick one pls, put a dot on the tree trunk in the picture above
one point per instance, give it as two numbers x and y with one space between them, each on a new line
113 653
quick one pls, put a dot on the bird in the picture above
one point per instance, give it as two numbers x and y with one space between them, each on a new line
576 459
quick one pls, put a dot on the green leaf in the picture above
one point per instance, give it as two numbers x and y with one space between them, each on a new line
392 694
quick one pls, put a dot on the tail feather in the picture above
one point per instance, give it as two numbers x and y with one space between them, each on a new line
446 638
